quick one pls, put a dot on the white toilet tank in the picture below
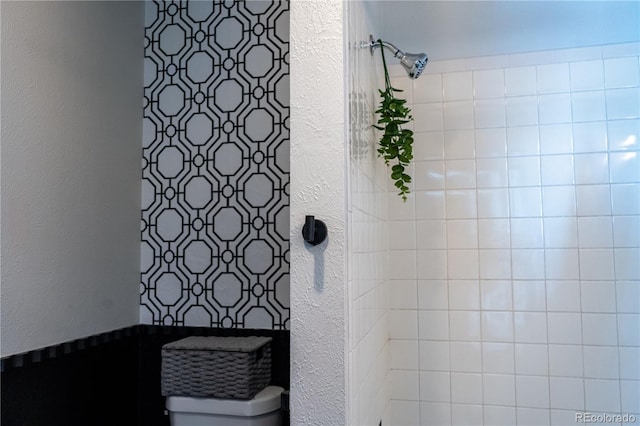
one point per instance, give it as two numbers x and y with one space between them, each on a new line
262 410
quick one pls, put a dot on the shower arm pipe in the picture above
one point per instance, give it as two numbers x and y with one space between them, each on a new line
373 44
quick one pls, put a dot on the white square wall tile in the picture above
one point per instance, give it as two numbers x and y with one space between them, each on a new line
623 103
560 232
429 117
590 137
601 362
497 326
488 83
491 172
553 78
587 75
530 327
428 175
591 168
522 111
624 135
532 391
403 295
621 72
491 142
559 201
630 396
563 296
565 360
459 144
434 355
404 413
493 203
489 113
403 324
464 325
460 174
499 415
428 88
402 235
496 295
434 414
461 204
526 233
557 169
529 296
457 86
523 140
625 198
466 414
564 328
554 108
498 389
599 329
431 234
629 363
593 200
556 139
466 388
428 146
466 357
402 264
567 393
628 297
458 115
561 264
524 171
462 264
625 167
464 294
525 202
528 264
404 385
597 264
495 264
533 416
628 330
598 296
428 205
404 354
433 325
595 232
588 106
435 386
494 233
520 81
602 396
432 264
432 294
531 359
498 358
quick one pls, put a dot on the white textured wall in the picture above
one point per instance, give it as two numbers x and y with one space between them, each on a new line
516 262
71 131
368 301
317 188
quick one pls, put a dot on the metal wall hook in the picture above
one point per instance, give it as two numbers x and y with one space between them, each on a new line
314 231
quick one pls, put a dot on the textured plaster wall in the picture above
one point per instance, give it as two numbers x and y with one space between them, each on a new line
71 131
317 188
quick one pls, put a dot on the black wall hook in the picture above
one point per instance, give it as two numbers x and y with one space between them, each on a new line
314 231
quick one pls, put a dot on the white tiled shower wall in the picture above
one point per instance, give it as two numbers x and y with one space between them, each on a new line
515 264
368 303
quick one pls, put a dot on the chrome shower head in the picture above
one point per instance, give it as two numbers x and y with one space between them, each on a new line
413 63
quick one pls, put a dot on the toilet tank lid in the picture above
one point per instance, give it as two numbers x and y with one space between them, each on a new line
266 401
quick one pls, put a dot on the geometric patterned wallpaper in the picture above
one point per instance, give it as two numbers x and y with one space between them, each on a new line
215 164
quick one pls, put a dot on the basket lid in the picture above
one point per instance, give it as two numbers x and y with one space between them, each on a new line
219 343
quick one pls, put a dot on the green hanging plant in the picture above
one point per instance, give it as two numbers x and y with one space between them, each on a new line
396 143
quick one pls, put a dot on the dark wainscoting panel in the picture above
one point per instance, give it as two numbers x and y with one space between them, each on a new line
107 379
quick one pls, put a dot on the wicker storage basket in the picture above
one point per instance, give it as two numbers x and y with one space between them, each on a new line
216 367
